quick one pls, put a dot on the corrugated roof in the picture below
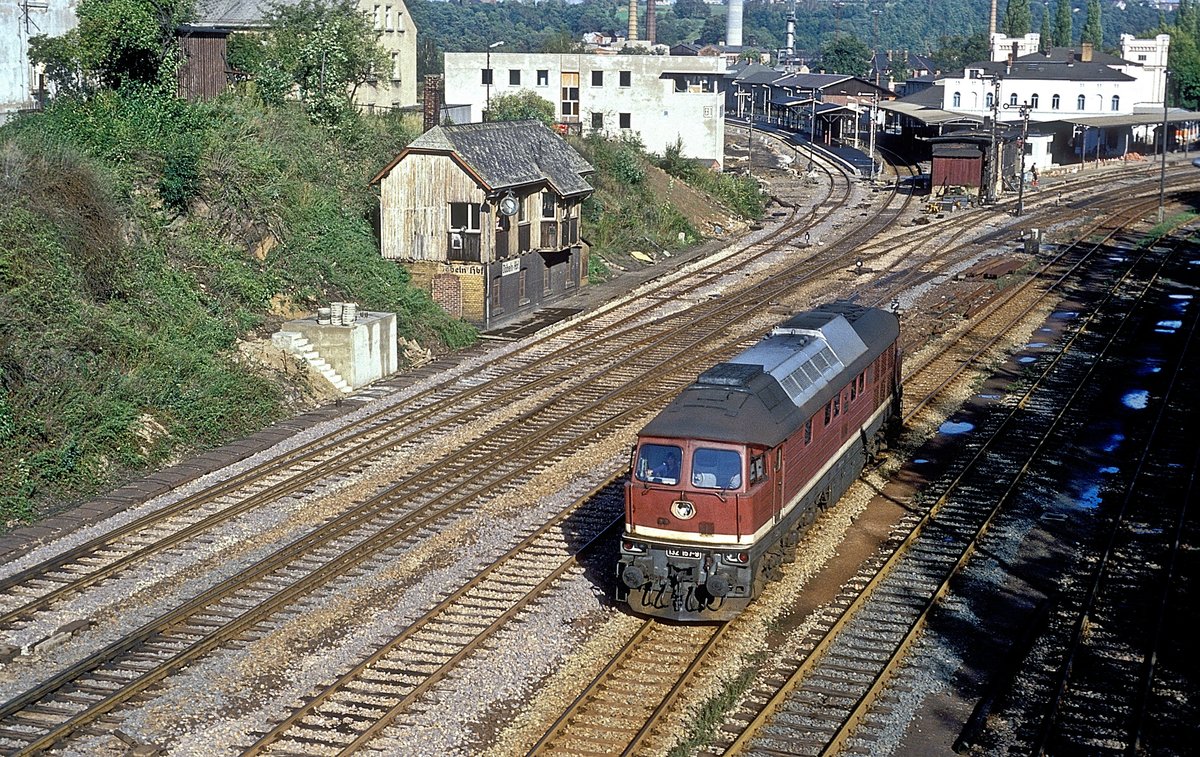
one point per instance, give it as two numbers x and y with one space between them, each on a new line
508 154
1175 115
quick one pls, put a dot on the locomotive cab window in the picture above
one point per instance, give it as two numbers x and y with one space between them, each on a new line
658 463
716 469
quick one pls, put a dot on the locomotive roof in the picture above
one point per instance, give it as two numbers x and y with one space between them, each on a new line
765 393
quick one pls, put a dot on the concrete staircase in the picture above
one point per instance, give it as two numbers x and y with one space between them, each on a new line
298 344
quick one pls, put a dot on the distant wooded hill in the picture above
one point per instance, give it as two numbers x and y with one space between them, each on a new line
917 25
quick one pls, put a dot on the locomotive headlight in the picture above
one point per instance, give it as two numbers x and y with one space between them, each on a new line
741 558
633 546
683 509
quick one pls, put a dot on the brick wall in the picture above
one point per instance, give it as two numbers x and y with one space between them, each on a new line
446 290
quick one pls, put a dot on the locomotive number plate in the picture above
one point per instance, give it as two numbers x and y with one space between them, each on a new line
692 553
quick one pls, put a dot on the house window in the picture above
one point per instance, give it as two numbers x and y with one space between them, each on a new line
990 101
521 286
1055 102
378 17
1033 100
395 66
1079 102
497 281
957 100
597 78
464 216
1012 99
543 77
486 77
597 120
624 120
1116 103
1141 59
570 95
514 77
387 18
626 78
548 202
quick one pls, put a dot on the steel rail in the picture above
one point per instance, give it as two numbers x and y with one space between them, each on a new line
1118 522
893 560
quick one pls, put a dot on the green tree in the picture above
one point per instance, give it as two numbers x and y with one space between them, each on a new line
690 9
846 54
956 51
1183 60
560 42
713 30
1062 23
117 42
1185 19
1018 18
324 49
1092 30
521 105
60 58
1047 33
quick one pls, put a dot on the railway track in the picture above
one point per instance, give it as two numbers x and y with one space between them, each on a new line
846 666
1108 654
318 564
616 713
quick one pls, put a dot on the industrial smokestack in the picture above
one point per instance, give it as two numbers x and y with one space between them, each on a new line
651 21
632 21
791 35
733 24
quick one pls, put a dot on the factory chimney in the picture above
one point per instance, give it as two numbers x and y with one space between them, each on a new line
733 24
651 21
632 21
791 35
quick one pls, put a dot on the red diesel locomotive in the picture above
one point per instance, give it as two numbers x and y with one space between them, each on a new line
729 475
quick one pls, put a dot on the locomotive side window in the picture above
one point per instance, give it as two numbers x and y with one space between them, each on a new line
853 390
837 405
658 463
716 469
808 431
828 410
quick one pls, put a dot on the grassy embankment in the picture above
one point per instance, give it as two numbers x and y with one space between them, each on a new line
141 239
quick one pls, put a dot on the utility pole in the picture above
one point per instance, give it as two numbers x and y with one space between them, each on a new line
994 163
1025 109
488 97
750 141
874 105
1162 168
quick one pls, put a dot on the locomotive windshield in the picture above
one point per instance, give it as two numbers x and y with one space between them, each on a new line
716 468
659 463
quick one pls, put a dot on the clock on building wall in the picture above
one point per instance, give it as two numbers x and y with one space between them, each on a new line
509 205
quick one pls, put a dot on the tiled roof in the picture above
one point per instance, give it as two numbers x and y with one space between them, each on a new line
510 153
234 13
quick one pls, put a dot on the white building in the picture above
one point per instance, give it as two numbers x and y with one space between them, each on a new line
660 98
1063 82
20 80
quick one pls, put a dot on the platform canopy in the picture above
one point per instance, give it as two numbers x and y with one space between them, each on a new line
1148 118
